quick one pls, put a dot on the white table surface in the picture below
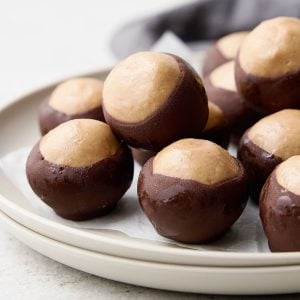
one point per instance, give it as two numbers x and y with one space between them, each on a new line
42 41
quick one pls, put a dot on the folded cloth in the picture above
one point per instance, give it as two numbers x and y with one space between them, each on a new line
201 20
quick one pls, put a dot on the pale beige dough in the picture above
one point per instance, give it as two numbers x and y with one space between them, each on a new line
272 48
77 95
198 160
223 77
278 133
229 45
79 143
139 85
288 174
215 117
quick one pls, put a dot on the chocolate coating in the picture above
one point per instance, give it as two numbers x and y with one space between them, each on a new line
215 129
141 155
222 51
266 94
213 59
237 114
258 163
280 214
176 118
218 136
80 193
268 65
50 118
187 211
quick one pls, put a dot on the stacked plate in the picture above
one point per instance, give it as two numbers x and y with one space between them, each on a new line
113 255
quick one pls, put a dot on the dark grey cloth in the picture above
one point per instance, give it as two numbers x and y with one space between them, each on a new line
201 20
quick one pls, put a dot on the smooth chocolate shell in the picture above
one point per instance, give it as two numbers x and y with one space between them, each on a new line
141 155
50 118
268 95
80 193
280 215
258 164
213 59
187 211
220 136
175 119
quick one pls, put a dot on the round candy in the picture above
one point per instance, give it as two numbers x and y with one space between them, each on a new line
78 98
280 206
192 191
268 65
221 90
216 129
80 169
222 51
267 143
152 99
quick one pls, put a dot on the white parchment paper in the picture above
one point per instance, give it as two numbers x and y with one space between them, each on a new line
245 236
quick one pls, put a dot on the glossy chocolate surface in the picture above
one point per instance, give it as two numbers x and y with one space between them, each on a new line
50 118
280 215
80 193
187 211
268 95
258 164
177 118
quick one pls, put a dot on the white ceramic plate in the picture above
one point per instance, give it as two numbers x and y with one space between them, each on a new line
183 278
18 123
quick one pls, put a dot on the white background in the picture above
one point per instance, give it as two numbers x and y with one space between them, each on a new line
42 41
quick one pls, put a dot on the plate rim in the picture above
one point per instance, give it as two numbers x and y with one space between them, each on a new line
195 271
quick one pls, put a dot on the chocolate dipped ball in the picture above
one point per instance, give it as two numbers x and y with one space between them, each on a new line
152 99
268 66
267 143
216 129
221 90
192 191
80 169
280 206
222 51
78 98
